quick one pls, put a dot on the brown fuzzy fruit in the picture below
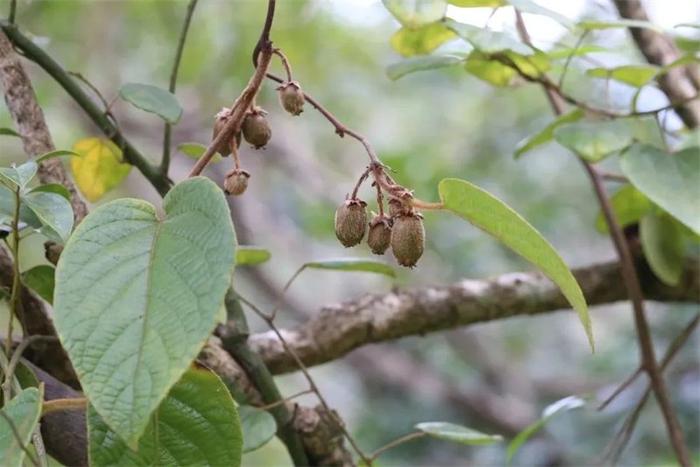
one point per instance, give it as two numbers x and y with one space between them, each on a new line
351 222
408 239
291 97
236 182
379 236
255 128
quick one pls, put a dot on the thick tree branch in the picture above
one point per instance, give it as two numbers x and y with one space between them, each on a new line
679 83
339 329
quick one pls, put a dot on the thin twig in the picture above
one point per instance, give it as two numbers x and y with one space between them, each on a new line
570 57
265 32
285 400
165 160
13 11
613 177
56 405
285 63
396 442
629 277
18 437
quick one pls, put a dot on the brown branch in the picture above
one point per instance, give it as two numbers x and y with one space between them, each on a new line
339 329
677 83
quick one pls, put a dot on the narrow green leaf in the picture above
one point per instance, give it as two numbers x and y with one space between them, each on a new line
54 211
352 264
670 180
196 424
566 52
663 243
9 132
195 151
620 23
486 40
250 255
416 13
477 3
24 411
259 427
52 188
634 75
414 64
494 217
41 280
687 25
137 295
529 6
457 433
561 406
628 204
547 133
57 153
19 175
422 40
152 99
594 141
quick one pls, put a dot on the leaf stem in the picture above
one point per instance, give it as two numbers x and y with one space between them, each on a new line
396 442
57 405
14 297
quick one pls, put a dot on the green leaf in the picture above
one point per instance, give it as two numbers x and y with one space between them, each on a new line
7 211
53 188
457 433
99 168
250 255
620 23
352 264
412 65
420 41
560 406
634 75
152 99
24 411
259 427
594 141
18 175
57 153
196 424
416 13
137 295
477 3
9 132
566 52
41 280
486 40
528 6
547 133
670 180
628 204
494 217
663 243
54 211
195 151
486 68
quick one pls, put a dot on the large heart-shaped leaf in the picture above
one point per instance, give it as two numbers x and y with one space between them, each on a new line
670 180
196 424
24 411
494 217
137 295
99 168
152 99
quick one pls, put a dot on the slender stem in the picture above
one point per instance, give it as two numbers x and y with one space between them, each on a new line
285 63
426 206
570 57
165 160
362 178
14 298
17 436
631 281
35 53
612 177
17 354
57 405
265 32
285 400
13 11
396 442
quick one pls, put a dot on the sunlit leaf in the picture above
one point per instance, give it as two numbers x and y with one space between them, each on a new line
41 280
422 40
566 52
416 13
457 433
494 217
560 406
486 40
137 294
414 64
250 255
259 427
628 204
670 180
486 68
529 6
196 424
195 151
53 210
152 99
634 75
663 244
547 133
619 23
353 264
595 140
534 65
99 168
24 411
18 175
